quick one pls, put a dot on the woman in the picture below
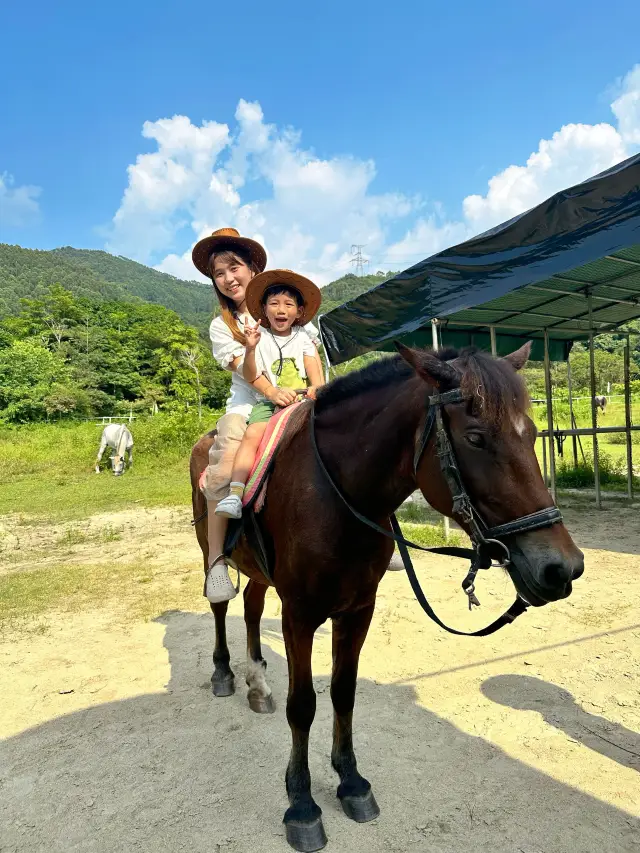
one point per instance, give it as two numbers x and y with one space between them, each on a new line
231 261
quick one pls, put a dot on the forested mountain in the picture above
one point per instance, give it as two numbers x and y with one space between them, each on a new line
348 287
93 274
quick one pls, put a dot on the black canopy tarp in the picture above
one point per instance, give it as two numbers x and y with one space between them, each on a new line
530 273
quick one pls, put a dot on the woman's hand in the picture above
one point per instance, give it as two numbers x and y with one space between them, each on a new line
252 334
280 396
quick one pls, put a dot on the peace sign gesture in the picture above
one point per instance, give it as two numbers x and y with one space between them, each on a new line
251 334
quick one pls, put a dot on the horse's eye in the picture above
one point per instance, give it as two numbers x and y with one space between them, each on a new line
475 439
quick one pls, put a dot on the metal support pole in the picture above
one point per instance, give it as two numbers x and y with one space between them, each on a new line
547 385
594 413
492 337
434 340
434 335
627 417
571 418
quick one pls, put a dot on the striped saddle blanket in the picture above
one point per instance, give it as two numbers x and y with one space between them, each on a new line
256 489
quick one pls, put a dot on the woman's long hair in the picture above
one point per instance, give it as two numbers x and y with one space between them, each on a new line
228 306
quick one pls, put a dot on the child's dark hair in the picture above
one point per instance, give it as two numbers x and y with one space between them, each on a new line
277 289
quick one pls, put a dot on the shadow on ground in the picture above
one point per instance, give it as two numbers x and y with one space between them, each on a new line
179 770
558 708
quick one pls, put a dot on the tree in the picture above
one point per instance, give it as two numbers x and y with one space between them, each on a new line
28 374
608 368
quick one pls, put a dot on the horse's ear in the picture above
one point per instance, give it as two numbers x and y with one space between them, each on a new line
520 357
429 367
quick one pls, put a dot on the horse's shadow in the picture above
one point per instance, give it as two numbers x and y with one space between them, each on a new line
180 770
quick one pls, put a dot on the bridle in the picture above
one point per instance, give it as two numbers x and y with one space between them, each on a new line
488 548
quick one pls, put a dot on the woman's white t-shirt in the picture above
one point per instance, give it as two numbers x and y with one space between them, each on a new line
243 396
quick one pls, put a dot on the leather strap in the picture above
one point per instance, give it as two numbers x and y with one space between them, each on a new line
518 607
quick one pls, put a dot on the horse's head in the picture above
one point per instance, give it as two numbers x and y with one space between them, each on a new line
493 441
117 464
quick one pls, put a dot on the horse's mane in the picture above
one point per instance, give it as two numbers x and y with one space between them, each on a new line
495 388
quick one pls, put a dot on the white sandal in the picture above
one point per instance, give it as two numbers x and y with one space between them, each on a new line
218 586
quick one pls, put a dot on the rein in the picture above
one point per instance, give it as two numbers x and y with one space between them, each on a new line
486 540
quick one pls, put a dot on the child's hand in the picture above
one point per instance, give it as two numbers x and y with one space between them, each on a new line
252 334
312 390
282 397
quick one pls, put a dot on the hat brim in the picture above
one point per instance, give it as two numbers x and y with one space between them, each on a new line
309 291
203 250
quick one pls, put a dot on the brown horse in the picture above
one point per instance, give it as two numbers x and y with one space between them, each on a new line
327 564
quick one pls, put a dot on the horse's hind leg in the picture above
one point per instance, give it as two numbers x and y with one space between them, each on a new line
354 791
222 680
259 696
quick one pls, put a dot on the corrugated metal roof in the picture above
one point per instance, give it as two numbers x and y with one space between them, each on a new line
614 285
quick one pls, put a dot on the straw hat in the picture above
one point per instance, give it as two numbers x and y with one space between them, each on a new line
309 291
226 238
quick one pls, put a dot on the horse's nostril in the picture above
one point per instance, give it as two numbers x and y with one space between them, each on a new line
557 574
578 571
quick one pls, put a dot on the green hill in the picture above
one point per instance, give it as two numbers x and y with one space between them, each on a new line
348 287
95 274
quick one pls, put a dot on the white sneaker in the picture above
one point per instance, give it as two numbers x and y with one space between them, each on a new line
230 507
218 586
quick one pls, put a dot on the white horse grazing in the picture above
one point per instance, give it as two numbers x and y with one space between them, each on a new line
119 439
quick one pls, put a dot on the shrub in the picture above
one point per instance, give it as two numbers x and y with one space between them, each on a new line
612 473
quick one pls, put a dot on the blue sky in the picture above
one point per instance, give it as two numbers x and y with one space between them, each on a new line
400 111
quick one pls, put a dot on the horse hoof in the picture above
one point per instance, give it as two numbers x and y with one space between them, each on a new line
306 836
261 704
225 687
361 808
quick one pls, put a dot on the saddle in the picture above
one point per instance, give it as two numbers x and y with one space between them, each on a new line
256 491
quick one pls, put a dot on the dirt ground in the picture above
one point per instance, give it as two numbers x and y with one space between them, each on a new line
524 742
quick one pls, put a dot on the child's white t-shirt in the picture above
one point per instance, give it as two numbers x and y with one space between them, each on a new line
281 357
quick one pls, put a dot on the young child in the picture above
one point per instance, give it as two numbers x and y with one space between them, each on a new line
281 301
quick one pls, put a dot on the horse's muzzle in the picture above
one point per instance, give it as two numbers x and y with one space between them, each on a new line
542 573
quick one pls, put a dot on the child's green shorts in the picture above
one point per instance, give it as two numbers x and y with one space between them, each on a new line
261 412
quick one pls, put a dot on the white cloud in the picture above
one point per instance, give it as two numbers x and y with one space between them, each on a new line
308 211
626 107
18 205
573 153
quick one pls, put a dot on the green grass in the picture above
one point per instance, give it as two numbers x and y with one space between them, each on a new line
612 450
614 415
424 526
47 469
76 495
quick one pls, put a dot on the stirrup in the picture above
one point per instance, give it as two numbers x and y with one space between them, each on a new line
217 585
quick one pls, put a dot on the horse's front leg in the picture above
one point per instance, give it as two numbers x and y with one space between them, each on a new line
302 819
259 696
131 457
101 450
354 791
